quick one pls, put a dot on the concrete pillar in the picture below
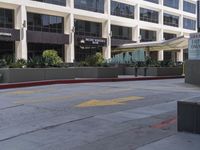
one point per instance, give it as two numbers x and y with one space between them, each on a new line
107 7
174 58
69 29
21 24
106 33
70 3
161 55
136 34
180 56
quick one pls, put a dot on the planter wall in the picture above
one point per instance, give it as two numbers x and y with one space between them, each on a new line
192 72
12 75
155 71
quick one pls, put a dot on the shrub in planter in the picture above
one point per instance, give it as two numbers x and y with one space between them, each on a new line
20 63
3 63
95 60
36 62
51 58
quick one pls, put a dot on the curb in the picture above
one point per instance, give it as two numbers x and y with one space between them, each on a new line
50 82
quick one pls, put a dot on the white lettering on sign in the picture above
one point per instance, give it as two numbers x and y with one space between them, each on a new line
5 34
95 41
194 46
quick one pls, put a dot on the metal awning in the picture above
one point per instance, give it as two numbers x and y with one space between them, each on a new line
172 44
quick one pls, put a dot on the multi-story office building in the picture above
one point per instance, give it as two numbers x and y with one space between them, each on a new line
79 28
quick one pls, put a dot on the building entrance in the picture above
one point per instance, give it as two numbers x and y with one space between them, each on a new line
82 52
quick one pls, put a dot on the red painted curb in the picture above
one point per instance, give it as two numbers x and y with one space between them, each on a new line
49 82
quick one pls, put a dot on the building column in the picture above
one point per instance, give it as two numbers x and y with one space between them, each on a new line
161 55
21 24
180 56
160 38
106 33
136 34
174 58
69 29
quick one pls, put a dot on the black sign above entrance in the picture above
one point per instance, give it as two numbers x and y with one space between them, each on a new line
92 41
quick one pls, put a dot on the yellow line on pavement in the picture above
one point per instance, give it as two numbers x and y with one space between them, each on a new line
63 98
117 101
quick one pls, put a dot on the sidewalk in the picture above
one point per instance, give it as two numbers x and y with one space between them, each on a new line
179 141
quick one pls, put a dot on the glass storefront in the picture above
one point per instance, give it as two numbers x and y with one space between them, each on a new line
36 49
83 48
7 49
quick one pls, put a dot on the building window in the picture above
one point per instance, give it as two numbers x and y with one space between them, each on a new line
119 32
189 7
91 5
148 15
147 35
86 28
45 23
189 24
123 10
172 3
6 18
56 2
153 1
171 20
36 49
168 36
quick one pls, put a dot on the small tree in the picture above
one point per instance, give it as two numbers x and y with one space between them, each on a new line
51 58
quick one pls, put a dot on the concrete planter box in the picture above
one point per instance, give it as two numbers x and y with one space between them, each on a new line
192 72
11 75
189 117
155 71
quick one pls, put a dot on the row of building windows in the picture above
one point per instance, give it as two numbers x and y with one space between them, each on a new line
98 5
55 24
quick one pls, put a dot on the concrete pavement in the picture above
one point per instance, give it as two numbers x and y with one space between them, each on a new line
130 115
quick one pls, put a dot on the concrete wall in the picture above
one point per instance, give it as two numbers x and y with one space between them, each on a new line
12 75
192 72
155 71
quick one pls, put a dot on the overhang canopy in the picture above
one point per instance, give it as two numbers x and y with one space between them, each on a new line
172 44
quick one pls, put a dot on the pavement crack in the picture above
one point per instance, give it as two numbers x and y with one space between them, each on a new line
11 107
44 128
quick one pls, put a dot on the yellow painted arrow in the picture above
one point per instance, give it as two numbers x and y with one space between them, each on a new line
111 102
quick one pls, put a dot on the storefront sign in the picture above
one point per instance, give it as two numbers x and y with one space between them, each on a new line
5 34
92 41
194 47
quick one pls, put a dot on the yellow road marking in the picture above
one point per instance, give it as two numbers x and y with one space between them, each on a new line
63 98
20 92
111 102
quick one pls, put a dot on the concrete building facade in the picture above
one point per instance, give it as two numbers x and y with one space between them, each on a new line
79 28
